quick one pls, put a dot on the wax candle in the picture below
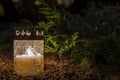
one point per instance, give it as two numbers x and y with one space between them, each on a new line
28 65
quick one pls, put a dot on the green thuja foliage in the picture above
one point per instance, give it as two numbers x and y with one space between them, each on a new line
55 44
57 38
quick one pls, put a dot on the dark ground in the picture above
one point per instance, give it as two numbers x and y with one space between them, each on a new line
54 69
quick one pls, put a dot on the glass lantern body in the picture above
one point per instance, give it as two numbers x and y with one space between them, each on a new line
28 51
28 57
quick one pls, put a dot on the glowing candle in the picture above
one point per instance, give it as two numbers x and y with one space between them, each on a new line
28 65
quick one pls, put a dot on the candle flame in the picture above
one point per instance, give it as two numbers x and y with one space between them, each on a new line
31 51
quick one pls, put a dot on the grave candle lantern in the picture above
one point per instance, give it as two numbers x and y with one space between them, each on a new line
28 52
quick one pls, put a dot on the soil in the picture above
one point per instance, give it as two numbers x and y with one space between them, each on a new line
54 69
